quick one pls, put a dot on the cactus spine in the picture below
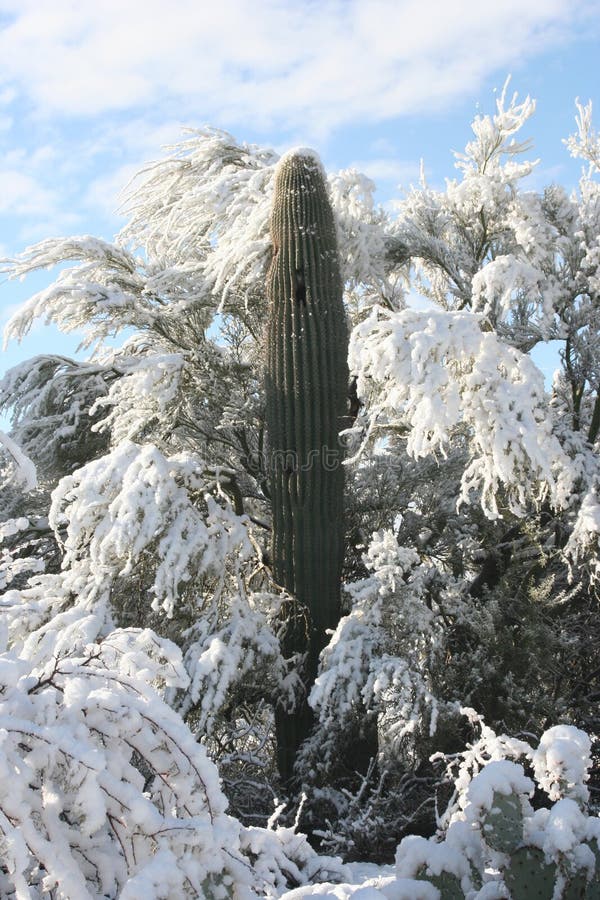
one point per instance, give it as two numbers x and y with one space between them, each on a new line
306 387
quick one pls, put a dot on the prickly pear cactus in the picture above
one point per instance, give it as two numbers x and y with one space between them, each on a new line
593 890
593 887
528 876
306 387
503 823
447 884
576 888
485 847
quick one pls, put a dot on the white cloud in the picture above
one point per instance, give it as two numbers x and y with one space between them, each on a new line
306 64
32 198
389 168
7 95
21 195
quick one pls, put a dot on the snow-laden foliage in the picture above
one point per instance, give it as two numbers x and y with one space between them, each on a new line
505 269
13 566
222 658
25 471
119 506
50 398
205 208
373 663
135 513
582 546
585 144
455 233
367 250
104 791
109 514
148 389
96 297
432 372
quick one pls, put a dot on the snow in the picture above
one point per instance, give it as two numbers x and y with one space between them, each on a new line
417 853
149 386
360 668
498 777
496 285
11 568
26 472
565 827
134 498
585 144
13 526
381 886
561 762
69 729
433 371
583 540
304 153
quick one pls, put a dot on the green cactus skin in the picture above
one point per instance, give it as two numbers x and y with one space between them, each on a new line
306 386
576 888
593 888
503 823
447 884
529 876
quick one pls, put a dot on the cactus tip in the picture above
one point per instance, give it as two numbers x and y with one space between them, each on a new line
311 158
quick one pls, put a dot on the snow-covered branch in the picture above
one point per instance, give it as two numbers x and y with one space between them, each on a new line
25 467
432 373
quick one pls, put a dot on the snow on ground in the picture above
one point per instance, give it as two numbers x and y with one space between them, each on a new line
368 882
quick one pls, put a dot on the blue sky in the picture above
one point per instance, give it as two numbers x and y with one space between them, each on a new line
89 92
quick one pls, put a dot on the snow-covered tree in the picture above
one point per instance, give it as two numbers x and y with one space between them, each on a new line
136 568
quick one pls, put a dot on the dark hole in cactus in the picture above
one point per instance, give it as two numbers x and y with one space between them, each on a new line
299 286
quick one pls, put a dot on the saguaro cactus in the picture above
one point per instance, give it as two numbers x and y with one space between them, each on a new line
306 387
